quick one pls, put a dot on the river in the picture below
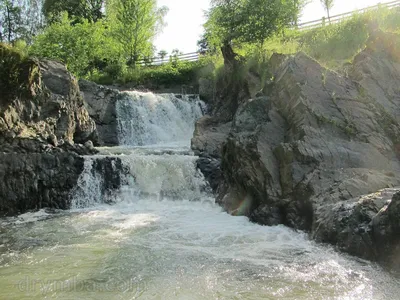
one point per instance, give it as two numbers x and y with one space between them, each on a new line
163 237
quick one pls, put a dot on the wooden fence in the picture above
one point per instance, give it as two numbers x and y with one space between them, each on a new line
194 56
341 17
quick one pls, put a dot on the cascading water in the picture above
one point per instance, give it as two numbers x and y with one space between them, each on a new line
147 118
164 238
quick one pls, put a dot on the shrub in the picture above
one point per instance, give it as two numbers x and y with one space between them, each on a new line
10 68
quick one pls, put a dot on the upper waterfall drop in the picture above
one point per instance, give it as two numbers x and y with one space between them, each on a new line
154 119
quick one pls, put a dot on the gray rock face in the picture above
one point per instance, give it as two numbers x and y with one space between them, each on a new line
306 152
51 108
366 226
37 180
34 175
43 125
101 105
209 136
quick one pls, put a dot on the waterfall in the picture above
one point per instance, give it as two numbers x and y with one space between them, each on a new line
150 119
154 133
166 176
163 237
87 192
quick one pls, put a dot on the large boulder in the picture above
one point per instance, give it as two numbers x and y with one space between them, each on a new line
34 175
46 104
209 135
101 105
45 129
366 226
304 154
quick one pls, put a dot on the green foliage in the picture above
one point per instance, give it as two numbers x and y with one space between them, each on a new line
168 74
78 10
10 63
135 23
332 45
81 46
249 21
11 20
337 42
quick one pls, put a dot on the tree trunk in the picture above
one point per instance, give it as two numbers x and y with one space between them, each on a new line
9 23
228 54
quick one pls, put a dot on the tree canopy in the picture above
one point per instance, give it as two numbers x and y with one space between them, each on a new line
250 21
135 23
91 10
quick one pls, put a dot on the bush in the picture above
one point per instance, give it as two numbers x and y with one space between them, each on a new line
10 68
332 45
80 46
115 70
168 74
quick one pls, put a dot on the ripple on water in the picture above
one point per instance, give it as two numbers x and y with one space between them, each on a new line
178 250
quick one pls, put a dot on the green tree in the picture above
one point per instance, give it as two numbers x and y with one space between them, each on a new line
162 54
250 21
174 58
327 4
136 23
224 19
11 21
78 10
81 46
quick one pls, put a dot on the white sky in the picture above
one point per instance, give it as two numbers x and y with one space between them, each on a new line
186 17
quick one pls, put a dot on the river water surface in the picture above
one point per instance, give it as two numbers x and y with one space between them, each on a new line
164 238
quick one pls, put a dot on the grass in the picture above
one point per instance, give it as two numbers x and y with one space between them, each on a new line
11 61
332 45
167 74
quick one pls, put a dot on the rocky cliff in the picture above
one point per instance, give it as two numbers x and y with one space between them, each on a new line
43 124
305 151
101 105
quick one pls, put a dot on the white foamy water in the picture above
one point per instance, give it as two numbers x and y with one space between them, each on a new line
151 249
164 238
147 118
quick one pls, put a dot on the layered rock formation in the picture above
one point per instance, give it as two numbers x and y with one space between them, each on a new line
43 124
313 141
101 105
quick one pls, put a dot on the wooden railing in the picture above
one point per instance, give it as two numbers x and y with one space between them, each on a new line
341 17
194 56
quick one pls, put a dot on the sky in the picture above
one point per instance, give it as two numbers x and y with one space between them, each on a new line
186 17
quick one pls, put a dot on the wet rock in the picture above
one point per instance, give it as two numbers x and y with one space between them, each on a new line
89 145
367 226
42 123
31 181
112 172
248 160
265 215
52 139
209 135
305 154
211 169
101 105
386 232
